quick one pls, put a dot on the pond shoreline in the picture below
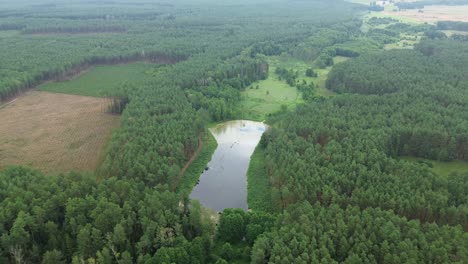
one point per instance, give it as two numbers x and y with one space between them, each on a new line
224 184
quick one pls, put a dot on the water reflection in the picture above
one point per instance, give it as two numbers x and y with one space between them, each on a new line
224 185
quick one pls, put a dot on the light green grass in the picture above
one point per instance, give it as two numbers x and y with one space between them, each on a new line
258 104
191 176
101 81
321 89
273 93
443 168
258 188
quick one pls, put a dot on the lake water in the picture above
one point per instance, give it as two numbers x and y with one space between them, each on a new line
224 184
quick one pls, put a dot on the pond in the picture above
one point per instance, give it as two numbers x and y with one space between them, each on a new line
224 183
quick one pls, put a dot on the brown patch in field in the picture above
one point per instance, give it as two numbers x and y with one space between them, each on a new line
434 13
55 132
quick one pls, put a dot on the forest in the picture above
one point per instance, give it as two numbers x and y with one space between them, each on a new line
334 185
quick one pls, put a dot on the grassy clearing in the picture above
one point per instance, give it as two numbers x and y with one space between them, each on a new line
271 94
259 190
193 172
441 167
322 74
321 89
55 132
101 81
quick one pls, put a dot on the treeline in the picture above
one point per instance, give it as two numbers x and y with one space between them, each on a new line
316 234
452 25
75 30
375 21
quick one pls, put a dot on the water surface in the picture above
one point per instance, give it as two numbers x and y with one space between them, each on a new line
224 184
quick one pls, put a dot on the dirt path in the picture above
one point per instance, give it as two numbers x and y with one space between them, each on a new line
194 156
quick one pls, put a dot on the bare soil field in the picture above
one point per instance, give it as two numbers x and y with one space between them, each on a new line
434 13
55 132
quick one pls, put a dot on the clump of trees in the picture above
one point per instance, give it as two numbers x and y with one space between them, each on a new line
311 73
288 75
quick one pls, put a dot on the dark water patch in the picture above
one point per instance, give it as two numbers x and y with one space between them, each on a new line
224 184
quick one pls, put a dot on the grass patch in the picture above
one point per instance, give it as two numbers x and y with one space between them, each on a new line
443 168
320 81
195 169
102 81
271 95
258 188
274 94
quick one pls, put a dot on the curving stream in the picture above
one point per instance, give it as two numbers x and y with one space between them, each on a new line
224 184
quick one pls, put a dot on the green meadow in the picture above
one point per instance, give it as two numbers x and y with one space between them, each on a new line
266 97
102 80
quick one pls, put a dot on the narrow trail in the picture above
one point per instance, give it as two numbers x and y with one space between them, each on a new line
194 156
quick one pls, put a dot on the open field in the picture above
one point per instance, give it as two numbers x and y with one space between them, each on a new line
274 93
432 14
101 81
54 132
271 94
441 167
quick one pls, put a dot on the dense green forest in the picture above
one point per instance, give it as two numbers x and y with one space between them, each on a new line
334 187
